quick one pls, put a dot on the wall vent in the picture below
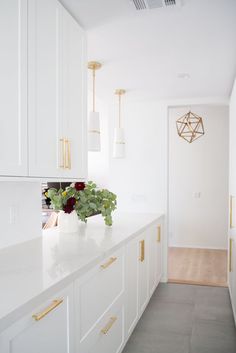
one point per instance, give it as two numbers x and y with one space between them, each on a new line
155 4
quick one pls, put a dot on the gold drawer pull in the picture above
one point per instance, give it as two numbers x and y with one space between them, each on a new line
230 254
51 307
109 325
109 262
63 153
142 250
159 234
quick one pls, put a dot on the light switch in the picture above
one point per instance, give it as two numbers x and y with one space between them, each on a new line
197 194
13 214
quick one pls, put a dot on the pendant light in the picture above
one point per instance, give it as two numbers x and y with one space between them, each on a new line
190 127
119 137
94 143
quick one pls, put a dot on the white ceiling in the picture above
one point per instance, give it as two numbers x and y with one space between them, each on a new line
145 51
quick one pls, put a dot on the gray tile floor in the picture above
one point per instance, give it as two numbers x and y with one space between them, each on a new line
185 319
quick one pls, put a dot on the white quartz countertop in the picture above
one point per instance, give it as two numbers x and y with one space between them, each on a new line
34 270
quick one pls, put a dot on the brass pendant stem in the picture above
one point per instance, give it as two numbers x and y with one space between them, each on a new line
94 65
93 90
119 93
119 111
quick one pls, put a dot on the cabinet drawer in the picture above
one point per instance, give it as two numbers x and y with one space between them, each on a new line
49 328
98 289
108 334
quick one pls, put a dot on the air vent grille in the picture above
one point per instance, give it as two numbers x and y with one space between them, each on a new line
170 2
140 4
154 4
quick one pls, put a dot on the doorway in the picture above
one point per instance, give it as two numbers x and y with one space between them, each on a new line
198 199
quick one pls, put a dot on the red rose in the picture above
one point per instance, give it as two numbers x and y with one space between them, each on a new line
79 186
71 201
68 209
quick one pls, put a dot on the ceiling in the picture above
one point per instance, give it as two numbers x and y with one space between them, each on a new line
146 51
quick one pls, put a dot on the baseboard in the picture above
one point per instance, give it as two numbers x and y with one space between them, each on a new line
196 247
198 283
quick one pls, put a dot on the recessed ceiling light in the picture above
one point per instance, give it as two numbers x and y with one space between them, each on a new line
183 75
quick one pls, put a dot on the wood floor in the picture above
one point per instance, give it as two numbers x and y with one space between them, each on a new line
197 266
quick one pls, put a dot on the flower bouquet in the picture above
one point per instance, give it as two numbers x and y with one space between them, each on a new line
83 199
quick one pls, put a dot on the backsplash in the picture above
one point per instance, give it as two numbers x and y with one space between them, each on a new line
20 212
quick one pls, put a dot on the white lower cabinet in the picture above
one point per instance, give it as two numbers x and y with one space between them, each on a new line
99 310
107 335
155 256
49 328
232 274
99 297
143 292
131 285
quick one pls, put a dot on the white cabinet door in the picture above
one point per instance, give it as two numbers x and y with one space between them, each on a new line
136 279
57 92
131 285
232 273
74 100
13 87
45 94
143 290
53 333
155 257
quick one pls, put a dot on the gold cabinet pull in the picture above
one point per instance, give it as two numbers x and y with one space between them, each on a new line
230 254
159 234
142 250
63 153
109 325
109 262
45 312
67 154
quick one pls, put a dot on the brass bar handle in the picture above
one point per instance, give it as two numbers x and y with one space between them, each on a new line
108 263
230 254
55 303
62 154
67 154
109 325
159 234
142 250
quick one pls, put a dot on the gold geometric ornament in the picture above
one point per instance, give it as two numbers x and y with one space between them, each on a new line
190 127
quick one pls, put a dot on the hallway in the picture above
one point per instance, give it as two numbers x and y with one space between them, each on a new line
185 319
207 267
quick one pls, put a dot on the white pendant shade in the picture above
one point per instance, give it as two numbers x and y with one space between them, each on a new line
94 141
119 143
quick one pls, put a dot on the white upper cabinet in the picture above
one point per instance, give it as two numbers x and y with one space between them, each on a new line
13 88
57 92
43 91
74 100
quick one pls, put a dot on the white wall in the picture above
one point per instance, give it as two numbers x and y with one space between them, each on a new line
232 152
20 212
139 179
199 167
